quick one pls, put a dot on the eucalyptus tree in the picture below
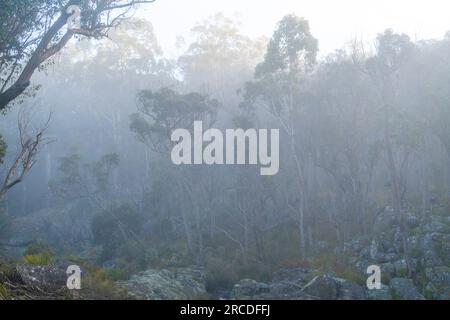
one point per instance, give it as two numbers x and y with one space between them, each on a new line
279 82
34 31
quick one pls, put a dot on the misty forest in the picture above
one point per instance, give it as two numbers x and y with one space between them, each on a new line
86 177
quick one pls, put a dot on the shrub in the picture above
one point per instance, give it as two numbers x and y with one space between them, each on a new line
38 254
38 259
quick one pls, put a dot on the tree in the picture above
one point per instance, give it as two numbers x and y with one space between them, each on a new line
33 31
30 145
162 112
290 56
393 52
220 59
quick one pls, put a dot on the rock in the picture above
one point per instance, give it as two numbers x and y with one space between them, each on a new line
404 289
436 226
431 257
400 268
249 289
353 247
439 282
327 287
379 294
387 269
441 242
176 284
322 287
411 220
46 277
348 290
391 257
365 253
287 282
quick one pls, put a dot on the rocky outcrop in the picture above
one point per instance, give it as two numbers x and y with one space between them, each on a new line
299 284
176 284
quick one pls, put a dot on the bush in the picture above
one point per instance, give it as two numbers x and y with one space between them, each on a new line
38 259
38 254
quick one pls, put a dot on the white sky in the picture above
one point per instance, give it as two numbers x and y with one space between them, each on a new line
333 22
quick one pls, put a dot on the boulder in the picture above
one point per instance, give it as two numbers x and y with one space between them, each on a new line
176 284
348 290
400 267
439 282
249 289
430 250
410 220
327 287
44 277
379 294
322 287
404 289
288 281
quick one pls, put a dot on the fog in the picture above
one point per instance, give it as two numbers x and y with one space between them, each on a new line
342 160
